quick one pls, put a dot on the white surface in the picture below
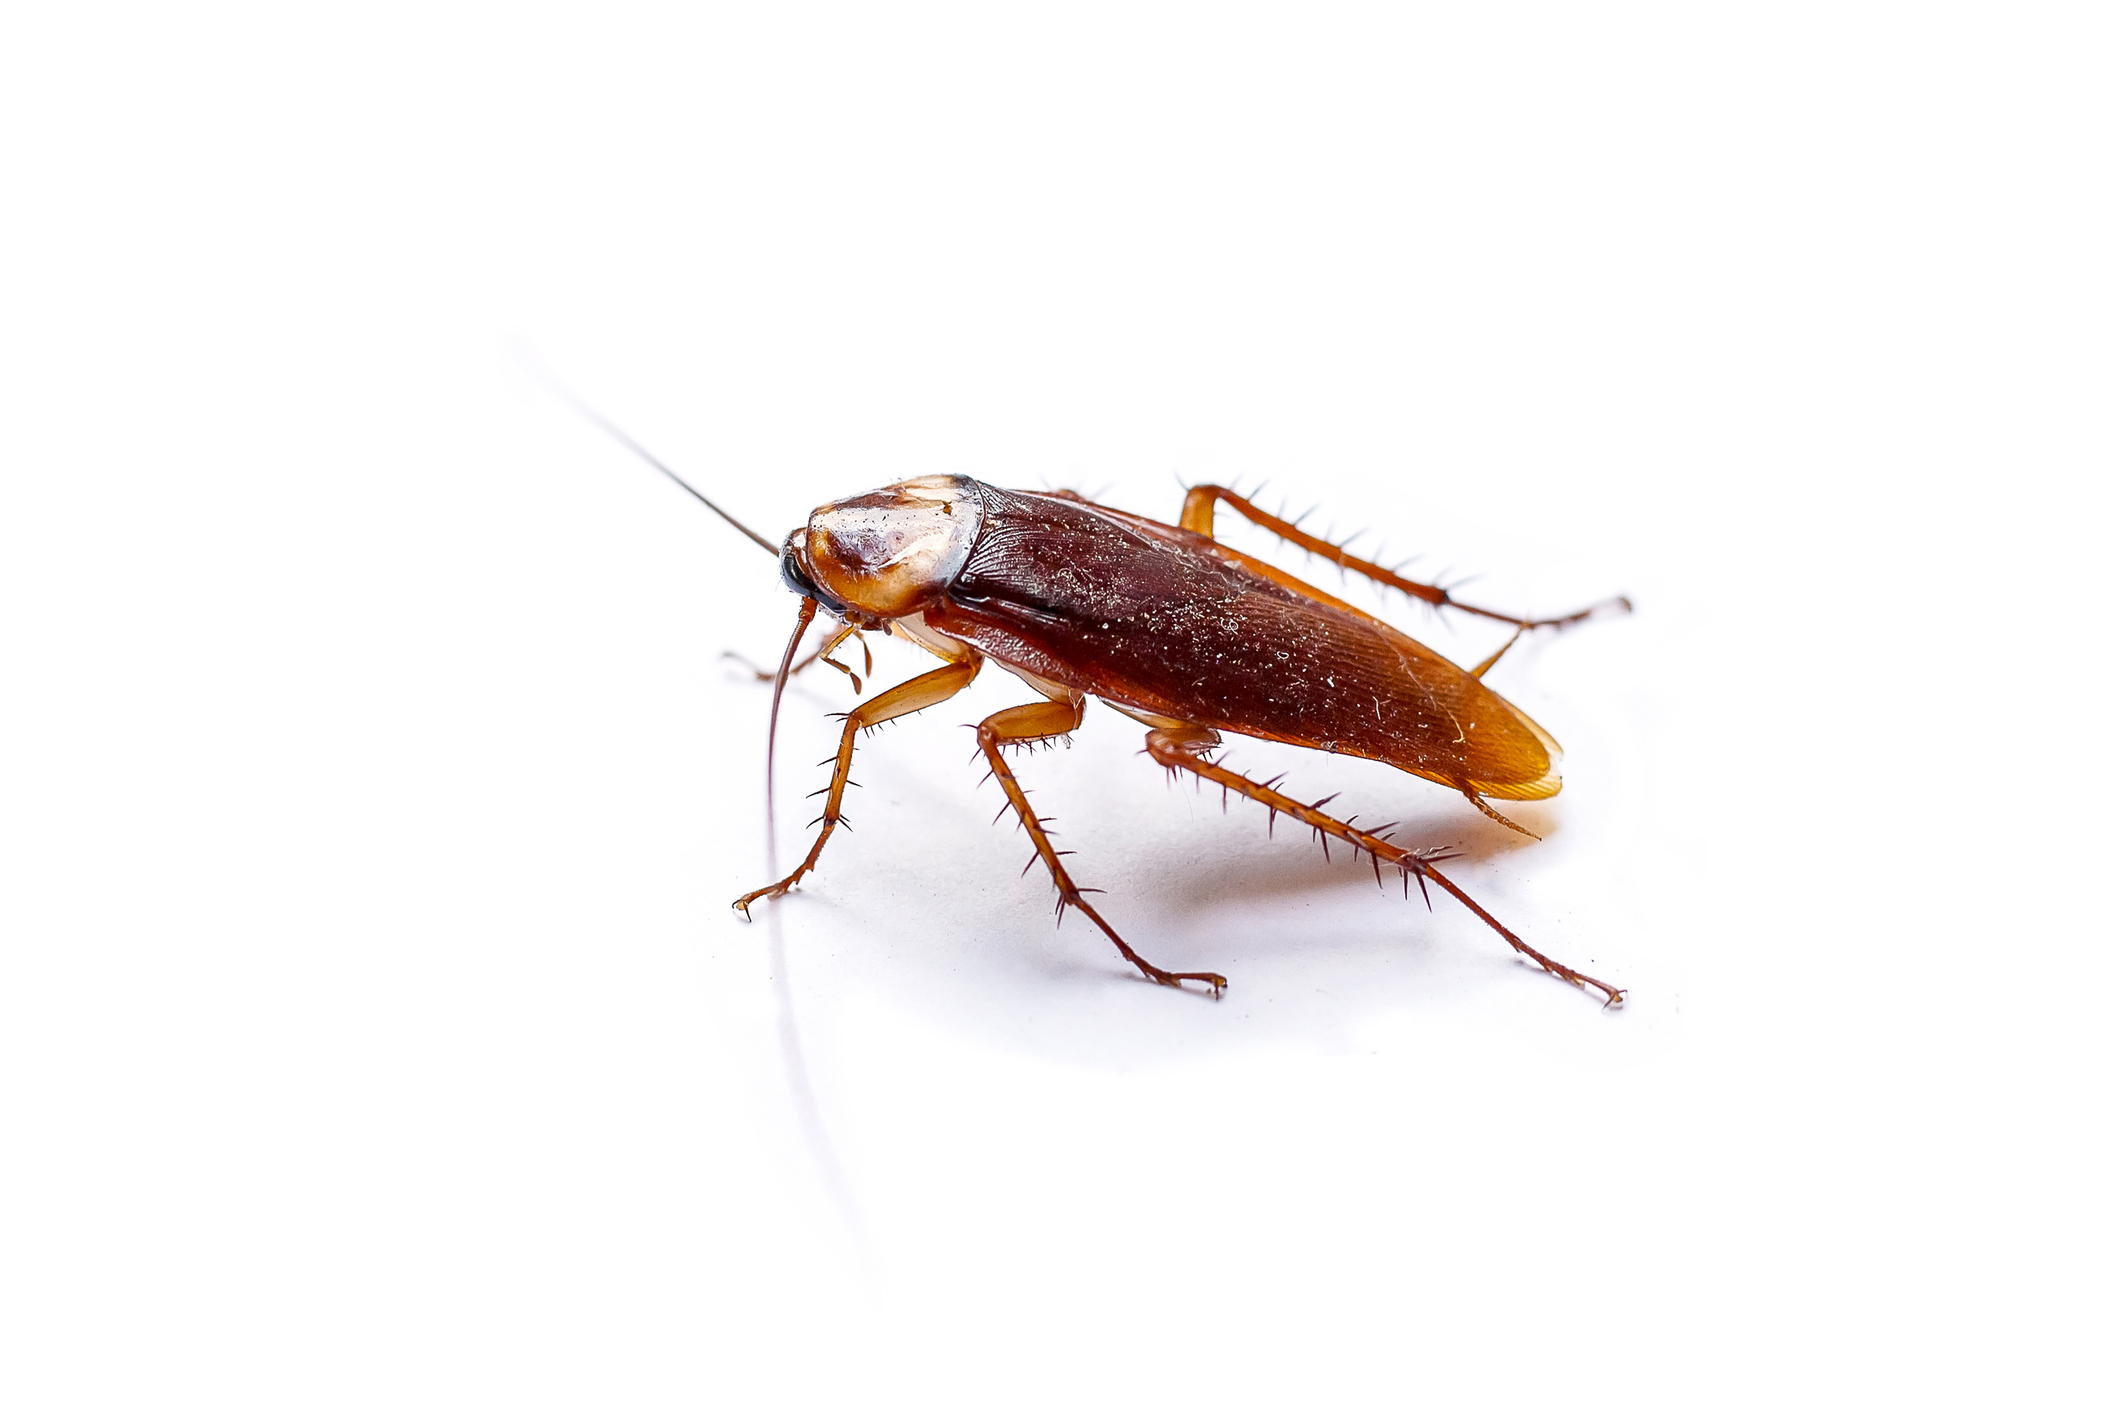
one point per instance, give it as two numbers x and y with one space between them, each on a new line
373 1029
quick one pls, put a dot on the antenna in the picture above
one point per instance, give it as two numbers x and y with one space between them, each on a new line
619 435
773 726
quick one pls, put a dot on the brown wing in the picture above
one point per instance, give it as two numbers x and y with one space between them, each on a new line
1173 624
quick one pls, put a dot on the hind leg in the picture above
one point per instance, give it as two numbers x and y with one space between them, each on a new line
1183 748
1199 516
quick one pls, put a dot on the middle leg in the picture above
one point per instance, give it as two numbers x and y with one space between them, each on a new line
1035 721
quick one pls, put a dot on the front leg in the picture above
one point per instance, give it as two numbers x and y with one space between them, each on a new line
820 653
910 696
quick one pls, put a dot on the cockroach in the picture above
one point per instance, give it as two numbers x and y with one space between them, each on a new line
1171 627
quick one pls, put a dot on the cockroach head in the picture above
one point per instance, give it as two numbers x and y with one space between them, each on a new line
888 553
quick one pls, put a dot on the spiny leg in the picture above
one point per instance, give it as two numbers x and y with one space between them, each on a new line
1199 516
1179 749
909 696
1032 722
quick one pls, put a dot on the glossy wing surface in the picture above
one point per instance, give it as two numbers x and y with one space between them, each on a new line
1170 623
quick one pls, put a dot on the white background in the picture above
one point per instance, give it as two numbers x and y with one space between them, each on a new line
374 1032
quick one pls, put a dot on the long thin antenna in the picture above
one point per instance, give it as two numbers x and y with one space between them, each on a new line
773 726
619 435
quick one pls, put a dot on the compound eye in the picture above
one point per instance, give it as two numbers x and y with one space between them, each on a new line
797 578
792 570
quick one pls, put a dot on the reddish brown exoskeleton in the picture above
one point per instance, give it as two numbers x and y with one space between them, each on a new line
1173 628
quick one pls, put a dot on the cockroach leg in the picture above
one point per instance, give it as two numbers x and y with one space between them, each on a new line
1042 720
909 696
824 655
1198 516
1493 658
1492 813
1179 748
765 674
816 655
